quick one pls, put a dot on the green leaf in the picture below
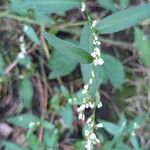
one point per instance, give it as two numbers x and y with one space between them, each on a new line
26 92
60 65
108 4
65 92
123 19
44 6
2 66
135 124
68 49
12 146
87 45
33 142
51 139
43 18
23 120
112 70
122 146
67 114
79 145
124 3
142 44
110 127
29 31
134 142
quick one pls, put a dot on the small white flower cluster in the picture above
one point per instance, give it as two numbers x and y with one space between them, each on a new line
94 23
96 53
82 107
83 6
90 135
34 124
21 55
72 100
86 87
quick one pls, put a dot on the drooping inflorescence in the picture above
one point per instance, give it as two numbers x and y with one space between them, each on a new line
88 100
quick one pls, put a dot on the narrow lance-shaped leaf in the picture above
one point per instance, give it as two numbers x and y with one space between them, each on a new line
68 49
123 19
44 6
23 120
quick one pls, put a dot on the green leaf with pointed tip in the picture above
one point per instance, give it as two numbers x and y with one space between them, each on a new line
68 49
123 19
108 4
23 120
44 6
29 31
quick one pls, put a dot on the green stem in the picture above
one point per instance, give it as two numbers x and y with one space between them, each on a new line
6 14
117 43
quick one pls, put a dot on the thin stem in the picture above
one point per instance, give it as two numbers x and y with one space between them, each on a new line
6 14
121 44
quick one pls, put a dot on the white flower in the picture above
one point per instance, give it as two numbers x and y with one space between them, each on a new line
91 105
96 43
21 38
81 108
21 55
84 91
98 61
31 124
74 99
21 77
70 100
87 105
81 116
100 125
136 126
89 145
95 37
92 73
83 6
93 54
86 133
94 23
25 28
86 87
90 81
89 120
99 105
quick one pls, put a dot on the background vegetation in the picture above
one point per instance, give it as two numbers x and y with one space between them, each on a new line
52 89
